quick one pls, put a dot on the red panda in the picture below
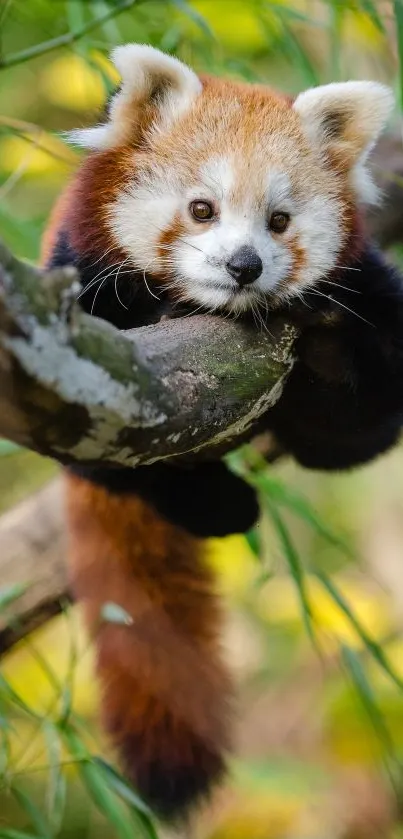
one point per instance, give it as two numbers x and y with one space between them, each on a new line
221 196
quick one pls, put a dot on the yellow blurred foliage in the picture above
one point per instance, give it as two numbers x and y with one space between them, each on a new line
269 816
236 27
62 643
38 154
361 30
106 66
71 82
278 602
234 563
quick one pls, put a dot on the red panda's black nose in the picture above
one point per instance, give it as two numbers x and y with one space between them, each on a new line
245 265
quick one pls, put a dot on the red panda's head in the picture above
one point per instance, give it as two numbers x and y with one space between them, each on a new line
230 193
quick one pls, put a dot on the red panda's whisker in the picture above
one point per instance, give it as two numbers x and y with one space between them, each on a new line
332 300
190 245
116 282
301 297
262 299
173 248
96 295
112 248
98 278
147 286
88 287
194 311
339 285
102 281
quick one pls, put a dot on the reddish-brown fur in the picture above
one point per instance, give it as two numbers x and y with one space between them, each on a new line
165 691
83 205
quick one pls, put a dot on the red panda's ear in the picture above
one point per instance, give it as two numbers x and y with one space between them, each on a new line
155 89
344 120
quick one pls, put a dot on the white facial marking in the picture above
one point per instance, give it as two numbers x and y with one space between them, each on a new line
195 263
140 216
201 257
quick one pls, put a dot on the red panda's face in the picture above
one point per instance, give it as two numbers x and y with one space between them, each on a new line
236 196
235 221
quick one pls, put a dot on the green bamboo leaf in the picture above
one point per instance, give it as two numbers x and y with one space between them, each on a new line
4 10
104 798
43 663
298 55
253 540
37 819
110 27
398 9
364 690
9 594
75 19
366 695
68 38
56 788
371 645
11 695
293 14
127 794
248 464
296 569
292 49
66 700
371 10
7 447
113 613
300 506
171 38
242 68
5 833
195 17
106 801
5 747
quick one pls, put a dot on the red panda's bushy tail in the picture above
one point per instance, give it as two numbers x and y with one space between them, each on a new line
165 693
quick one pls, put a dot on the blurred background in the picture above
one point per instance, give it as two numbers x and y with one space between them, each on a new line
315 597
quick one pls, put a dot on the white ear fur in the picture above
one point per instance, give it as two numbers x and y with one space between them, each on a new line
348 118
148 75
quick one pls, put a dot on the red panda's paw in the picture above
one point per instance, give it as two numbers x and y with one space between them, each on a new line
172 767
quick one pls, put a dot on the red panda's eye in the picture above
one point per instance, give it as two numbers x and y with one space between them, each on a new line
279 222
201 210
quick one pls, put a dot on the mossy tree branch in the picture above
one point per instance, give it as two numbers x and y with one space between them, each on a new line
74 388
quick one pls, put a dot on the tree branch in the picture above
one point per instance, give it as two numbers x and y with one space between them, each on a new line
74 388
67 39
33 553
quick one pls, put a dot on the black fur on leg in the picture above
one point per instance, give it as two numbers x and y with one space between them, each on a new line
206 499
342 404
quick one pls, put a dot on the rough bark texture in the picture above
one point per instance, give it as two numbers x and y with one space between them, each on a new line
32 552
75 388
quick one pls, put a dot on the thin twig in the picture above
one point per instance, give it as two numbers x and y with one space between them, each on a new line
31 133
64 40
